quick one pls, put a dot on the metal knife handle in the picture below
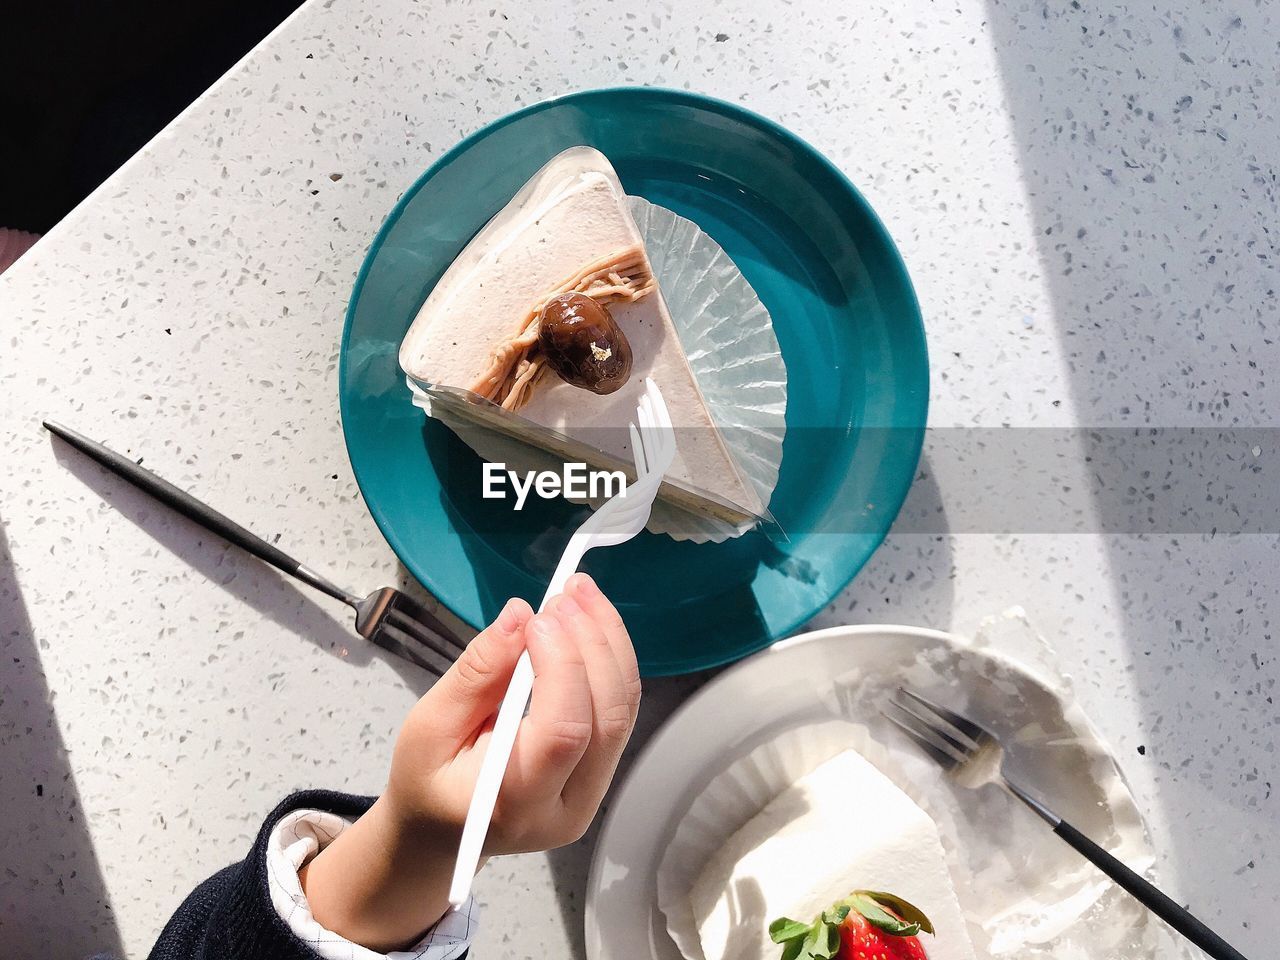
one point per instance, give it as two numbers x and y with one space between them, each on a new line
195 510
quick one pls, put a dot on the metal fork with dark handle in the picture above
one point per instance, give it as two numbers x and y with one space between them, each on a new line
432 639
974 756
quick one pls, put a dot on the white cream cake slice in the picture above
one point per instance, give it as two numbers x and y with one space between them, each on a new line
841 828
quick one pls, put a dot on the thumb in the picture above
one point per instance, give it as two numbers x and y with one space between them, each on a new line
471 690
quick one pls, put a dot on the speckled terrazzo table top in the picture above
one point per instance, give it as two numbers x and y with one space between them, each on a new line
1086 200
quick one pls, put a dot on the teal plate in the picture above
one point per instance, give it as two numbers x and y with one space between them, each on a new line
845 316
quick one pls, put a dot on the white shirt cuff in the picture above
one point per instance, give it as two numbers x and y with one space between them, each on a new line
298 837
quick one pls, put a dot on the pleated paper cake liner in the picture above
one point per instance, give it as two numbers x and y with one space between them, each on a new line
728 337
1059 907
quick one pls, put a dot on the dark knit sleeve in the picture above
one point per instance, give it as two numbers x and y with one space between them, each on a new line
230 916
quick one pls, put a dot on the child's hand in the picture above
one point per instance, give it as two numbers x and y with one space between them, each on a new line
585 696
384 881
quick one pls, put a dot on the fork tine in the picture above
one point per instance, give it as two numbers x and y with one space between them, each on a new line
662 423
423 633
662 415
647 438
940 756
965 745
396 641
637 452
437 621
962 724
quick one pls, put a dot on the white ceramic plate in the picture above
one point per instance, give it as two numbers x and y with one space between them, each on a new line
1024 892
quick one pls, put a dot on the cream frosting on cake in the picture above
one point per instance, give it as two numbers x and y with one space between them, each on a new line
841 828
570 215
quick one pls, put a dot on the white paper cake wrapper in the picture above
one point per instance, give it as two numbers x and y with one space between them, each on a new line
728 337
1058 908
735 796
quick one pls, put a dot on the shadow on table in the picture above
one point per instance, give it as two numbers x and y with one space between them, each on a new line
910 579
52 892
1148 164
276 597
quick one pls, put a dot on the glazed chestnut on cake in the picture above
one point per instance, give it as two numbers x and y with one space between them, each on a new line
583 344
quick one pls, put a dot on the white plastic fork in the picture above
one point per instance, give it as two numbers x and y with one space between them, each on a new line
653 448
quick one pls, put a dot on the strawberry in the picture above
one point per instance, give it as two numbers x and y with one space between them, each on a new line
868 925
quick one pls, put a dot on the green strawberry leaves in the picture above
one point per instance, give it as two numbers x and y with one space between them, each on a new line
784 929
890 913
903 909
820 940
837 914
